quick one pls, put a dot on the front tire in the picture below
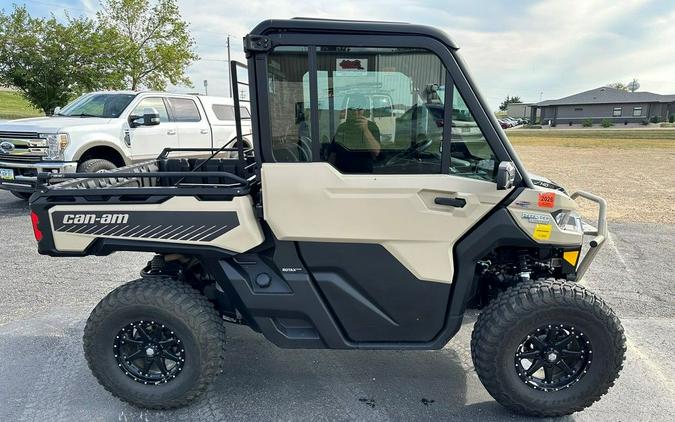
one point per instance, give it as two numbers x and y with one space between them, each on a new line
95 165
155 343
547 348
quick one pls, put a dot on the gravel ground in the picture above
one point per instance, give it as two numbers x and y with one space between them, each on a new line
43 376
638 183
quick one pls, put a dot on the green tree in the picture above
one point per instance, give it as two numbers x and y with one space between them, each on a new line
51 62
153 47
507 101
619 85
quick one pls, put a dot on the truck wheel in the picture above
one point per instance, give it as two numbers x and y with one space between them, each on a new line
95 165
547 348
155 343
21 195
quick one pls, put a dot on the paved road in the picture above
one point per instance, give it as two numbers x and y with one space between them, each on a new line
43 376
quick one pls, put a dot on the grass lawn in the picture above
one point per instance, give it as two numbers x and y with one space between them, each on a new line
594 138
13 106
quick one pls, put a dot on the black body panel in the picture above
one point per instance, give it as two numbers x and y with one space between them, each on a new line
375 298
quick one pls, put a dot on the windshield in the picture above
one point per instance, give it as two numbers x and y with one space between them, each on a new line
98 105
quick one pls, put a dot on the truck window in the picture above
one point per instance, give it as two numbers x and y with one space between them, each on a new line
289 112
153 102
184 110
378 109
105 105
470 153
223 112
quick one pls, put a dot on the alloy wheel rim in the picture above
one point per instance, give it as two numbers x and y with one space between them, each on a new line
149 352
553 357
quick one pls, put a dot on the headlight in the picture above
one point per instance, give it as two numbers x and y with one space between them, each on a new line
56 145
569 220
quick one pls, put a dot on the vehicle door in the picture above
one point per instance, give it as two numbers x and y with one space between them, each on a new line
193 127
375 222
146 142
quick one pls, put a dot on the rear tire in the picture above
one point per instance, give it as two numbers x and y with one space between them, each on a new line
95 165
517 323
177 332
21 195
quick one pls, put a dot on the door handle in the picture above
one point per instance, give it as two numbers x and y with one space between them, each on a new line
171 132
450 202
204 131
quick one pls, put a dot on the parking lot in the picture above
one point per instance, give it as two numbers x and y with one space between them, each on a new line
43 376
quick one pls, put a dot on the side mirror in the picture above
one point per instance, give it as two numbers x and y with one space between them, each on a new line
506 175
57 110
150 117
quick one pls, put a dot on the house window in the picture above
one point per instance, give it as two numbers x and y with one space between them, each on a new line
578 109
617 112
637 111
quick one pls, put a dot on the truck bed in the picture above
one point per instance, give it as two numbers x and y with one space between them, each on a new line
167 204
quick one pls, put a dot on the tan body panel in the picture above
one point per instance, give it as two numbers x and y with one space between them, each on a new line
241 238
536 220
314 202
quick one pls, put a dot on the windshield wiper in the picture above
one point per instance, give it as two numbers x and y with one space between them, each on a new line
79 115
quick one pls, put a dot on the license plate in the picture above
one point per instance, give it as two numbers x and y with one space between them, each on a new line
6 174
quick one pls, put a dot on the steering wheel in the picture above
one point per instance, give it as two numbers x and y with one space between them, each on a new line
414 150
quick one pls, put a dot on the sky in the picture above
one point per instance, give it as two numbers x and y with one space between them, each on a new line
536 50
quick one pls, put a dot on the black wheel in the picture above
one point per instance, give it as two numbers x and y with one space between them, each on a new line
155 343
547 348
21 195
95 165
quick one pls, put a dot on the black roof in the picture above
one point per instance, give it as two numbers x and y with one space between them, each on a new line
308 25
608 95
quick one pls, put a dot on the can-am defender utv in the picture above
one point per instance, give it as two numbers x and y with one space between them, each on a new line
382 199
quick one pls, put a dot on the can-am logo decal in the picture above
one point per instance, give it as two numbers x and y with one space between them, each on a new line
93 218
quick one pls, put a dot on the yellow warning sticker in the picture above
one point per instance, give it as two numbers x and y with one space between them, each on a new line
542 231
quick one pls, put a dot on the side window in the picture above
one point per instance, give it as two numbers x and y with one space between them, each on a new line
288 86
379 109
185 110
223 112
470 153
244 113
153 102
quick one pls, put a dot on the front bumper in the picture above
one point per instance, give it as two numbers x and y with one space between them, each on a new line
25 174
599 235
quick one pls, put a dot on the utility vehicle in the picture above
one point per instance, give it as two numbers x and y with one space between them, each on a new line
109 129
326 237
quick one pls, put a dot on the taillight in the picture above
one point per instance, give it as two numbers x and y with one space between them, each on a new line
36 230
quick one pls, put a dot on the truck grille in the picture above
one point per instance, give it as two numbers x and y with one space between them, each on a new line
22 146
18 135
21 158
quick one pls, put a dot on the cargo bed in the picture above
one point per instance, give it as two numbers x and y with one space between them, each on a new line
161 204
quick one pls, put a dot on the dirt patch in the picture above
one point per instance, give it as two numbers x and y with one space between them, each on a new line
638 181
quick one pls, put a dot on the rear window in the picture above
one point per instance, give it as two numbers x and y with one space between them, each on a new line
223 112
185 110
226 112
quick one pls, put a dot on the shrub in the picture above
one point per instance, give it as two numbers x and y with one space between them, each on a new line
587 123
606 123
655 119
644 122
570 124
532 127
671 119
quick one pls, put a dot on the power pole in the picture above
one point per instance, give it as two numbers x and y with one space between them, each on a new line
229 67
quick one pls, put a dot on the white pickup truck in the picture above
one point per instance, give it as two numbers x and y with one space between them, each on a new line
104 130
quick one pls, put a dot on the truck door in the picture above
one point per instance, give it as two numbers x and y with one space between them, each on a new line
193 127
375 222
148 141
